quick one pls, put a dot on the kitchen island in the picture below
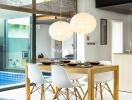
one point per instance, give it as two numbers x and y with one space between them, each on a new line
124 61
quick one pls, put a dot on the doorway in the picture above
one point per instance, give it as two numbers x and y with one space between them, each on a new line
117 36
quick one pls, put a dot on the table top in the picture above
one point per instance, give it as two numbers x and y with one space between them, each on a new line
80 69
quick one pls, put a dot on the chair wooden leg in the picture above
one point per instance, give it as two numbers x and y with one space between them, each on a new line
80 87
31 91
52 89
79 94
85 94
75 93
42 93
32 88
96 88
56 94
109 89
67 94
101 91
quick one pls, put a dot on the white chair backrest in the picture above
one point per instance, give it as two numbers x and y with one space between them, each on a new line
34 74
106 76
60 77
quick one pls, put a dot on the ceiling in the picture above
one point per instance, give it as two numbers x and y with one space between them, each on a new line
62 7
58 6
120 6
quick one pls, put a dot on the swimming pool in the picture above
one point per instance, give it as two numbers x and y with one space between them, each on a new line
10 78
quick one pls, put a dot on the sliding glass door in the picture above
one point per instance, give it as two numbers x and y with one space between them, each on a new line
2 43
15 37
15 47
17 42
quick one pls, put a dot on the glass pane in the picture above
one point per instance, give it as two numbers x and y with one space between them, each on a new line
67 48
15 48
2 24
19 33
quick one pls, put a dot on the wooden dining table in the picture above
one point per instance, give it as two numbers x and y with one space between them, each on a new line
90 71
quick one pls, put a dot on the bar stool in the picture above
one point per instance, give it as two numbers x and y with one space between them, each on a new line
39 82
61 80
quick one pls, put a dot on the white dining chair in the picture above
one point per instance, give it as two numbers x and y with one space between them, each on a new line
38 80
101 81
61 80
75 77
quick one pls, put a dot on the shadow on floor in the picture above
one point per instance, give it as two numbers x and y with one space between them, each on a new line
5 99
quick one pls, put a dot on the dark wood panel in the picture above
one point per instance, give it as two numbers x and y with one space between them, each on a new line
124 8
104 3
103 31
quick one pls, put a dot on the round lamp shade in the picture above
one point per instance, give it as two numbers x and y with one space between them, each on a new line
60 31
83 23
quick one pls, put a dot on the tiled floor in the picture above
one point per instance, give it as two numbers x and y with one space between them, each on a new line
19 94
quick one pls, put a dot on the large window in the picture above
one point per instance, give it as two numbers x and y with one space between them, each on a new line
15 34
18 42
15 47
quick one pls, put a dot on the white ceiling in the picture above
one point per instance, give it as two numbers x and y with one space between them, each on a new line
8 14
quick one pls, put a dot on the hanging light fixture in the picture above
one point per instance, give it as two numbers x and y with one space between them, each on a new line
83 23
60 31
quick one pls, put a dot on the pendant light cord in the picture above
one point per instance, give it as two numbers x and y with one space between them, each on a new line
60 8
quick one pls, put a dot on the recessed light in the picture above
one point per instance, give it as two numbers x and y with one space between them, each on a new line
130 9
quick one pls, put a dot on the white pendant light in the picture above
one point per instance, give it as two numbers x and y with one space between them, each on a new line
83 23
60 31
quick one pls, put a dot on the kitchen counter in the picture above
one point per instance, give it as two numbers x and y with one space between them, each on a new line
124 60
123 53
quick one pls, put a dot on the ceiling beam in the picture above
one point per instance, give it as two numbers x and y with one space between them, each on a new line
49 17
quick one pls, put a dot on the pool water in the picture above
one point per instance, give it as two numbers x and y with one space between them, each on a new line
12 78
9 78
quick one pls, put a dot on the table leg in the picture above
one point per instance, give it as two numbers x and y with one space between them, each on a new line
116 83
27 89
27 84
42 93
90 84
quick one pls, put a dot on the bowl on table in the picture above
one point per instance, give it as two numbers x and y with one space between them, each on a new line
72 64
47 62
93 62
65 61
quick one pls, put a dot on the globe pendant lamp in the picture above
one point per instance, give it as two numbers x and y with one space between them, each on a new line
83 23
60 31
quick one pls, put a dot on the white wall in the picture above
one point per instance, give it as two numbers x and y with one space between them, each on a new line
92 52
99 52
43 40
128 35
